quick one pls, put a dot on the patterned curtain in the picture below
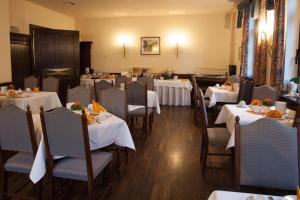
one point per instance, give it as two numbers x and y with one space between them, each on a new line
277 65
261 50
245 42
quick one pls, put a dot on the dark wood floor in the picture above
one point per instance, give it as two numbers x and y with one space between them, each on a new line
165 166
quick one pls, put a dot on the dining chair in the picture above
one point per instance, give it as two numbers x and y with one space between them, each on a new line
122 79
114 101
211 136
245 91
80 93
265 91
17 134
66 134
233 79
101 85
147 80
266 155
137 95
30 82
50 84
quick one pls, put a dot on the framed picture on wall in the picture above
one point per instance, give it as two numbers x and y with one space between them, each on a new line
150 45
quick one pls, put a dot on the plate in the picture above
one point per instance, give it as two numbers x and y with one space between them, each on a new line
289 197
245 106
257 197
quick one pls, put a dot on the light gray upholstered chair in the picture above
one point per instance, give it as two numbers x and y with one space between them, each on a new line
66 134
233 79
147 80
30 82
264 91
217 137
122 79
51 84
137 95
80 93
16 134
101 85
266 155
115 101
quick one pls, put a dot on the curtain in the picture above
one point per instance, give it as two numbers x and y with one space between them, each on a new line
261 50
277 65
245 42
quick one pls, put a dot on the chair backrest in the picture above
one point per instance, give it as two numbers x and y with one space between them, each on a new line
16 130
195 87
245 91
266 155
264 91
50 84
115 101
233 79
122 79
80 93
64 133
203 116
137 94
30 82
101 85
147 80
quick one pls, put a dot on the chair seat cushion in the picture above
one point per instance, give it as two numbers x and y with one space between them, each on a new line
20 163
140 111
75 168
218 136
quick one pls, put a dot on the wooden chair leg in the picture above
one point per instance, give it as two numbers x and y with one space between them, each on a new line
126 155
4 186
38 188
118 163
90 189
145 124
52 186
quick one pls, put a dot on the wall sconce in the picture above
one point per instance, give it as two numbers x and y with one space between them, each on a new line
266 29
177 39
124 40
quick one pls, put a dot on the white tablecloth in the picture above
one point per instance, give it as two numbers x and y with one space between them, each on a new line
173 92
111 131
220 95
152 102
224 195
49 100
88 82
229 112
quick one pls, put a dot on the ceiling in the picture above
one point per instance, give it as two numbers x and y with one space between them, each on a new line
121 8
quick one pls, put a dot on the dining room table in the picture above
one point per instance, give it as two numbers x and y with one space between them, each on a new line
49 100
229 112
107 129
227 195
89 82
173 92
220 94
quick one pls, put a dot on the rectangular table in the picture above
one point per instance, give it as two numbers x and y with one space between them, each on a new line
49 100
88 82
224 195
216 95
152 102
229 112
112 130
173 92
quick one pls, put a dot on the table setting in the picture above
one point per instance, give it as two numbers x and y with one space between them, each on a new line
104 129
35 98
250 113
226 93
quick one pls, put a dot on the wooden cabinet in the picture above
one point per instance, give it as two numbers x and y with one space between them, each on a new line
85 55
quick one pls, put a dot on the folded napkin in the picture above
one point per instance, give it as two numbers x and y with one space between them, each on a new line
97 108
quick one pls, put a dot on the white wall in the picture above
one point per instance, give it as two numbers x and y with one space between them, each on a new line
207 42
292 36
23 13
5 65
